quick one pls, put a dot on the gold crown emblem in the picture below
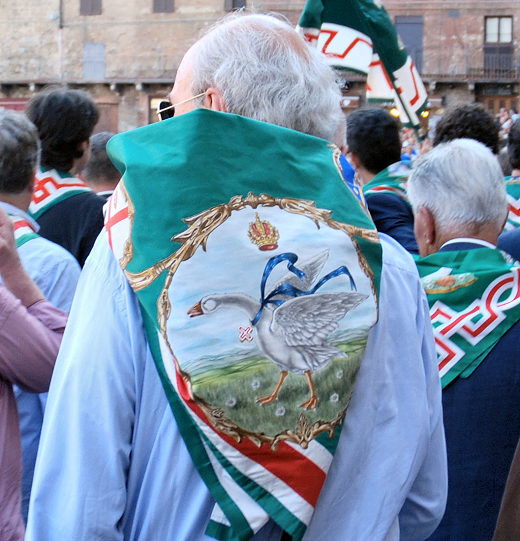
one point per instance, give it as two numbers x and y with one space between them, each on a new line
263 234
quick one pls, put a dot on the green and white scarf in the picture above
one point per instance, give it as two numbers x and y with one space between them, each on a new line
391 180
474 298
53 186
227 279
23 229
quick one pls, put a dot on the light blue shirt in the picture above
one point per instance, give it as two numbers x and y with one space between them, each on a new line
113 465
56 272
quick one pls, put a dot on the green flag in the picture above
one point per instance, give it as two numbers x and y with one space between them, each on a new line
358 35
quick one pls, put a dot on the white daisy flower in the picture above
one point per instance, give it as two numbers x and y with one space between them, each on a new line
280 412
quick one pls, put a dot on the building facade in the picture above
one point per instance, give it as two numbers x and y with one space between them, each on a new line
127 53
465 50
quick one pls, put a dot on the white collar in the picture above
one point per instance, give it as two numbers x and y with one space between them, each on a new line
480 242
11 209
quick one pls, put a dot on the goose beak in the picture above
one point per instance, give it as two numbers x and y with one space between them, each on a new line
196 310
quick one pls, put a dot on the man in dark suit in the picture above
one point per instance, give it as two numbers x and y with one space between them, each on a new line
459 199
374 150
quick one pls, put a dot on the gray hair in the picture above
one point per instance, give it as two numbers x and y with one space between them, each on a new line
460 182
19 151
267 72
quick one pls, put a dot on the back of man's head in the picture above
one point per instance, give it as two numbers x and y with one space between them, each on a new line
373 135
461 183
470 121
267 72
99 169
513 145
65 119
19 152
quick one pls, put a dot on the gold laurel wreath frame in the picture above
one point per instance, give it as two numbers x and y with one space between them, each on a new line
199 229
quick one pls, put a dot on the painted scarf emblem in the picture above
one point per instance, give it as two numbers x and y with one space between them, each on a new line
292 322
302 315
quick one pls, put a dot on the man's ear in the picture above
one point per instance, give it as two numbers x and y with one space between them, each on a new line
34 181
84 146
354 160
425 230
214 100
504 224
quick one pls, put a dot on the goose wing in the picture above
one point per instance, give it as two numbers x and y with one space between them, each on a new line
310 319
311 268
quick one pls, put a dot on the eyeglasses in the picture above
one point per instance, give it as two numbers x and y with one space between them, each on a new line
166 110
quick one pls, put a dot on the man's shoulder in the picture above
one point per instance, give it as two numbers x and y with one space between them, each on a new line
509 241
387 205
44 258
54 269
85 200
79 208
395 257
102 266
46 250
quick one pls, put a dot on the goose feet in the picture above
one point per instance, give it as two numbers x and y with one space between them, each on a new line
274 395
311 403
267 399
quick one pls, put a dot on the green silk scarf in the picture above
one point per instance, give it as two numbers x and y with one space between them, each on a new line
258 272
474 299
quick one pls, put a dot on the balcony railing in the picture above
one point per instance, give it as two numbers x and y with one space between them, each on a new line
476 66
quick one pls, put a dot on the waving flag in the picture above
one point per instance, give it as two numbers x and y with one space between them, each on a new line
358 35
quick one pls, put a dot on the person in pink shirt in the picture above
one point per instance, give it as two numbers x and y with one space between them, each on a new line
30 336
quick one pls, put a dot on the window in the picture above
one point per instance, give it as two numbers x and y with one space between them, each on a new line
163 6
410 29
90 7
498 47
499 30
94 61
230 5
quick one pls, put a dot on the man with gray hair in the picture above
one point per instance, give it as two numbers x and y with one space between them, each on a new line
459 199
54 270
231 369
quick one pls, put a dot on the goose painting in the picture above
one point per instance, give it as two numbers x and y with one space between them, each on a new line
293 318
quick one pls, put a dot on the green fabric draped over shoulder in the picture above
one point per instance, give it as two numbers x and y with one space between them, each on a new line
216 203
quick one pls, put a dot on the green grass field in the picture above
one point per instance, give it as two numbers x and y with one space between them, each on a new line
235 389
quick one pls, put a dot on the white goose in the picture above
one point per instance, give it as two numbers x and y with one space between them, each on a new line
293 334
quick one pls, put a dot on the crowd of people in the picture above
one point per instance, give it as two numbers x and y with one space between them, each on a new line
277 324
